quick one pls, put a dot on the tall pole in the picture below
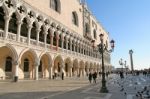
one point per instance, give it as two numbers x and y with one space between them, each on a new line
103 88
131 59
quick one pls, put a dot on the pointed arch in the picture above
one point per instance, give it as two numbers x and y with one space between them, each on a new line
24 28
13 24
33 31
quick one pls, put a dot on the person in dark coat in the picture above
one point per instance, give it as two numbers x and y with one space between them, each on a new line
94 76
90 77
62 76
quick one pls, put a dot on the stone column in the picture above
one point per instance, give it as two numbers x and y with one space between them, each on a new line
70 72
18 30
45 39
52 36
57 40
7 18
131 59
16 65
70 44
37 63
29 33
74 46
66 42
50 70
37 36
62 41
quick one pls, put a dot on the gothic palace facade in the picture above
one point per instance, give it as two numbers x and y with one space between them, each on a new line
38 39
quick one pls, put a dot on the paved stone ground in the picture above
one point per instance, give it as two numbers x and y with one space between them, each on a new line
73 88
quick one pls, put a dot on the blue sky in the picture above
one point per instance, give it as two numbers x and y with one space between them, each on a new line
128 22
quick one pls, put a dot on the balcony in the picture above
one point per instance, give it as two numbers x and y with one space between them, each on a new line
33 44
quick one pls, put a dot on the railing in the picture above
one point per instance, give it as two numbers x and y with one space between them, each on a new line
41 44
32 42
23 39
11 36
1 34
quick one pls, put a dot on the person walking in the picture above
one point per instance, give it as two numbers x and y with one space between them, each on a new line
94 76
90 77
62 76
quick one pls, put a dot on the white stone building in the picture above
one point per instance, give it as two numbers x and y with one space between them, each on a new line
39 38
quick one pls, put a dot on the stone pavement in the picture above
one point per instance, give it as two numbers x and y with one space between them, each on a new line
43 85
75 88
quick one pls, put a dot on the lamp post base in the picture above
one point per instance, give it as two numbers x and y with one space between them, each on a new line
103 90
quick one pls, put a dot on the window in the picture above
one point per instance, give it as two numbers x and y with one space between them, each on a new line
13 24
24 28
41 35
26 65
60 40
95 34
65 42
55 5
48 37
54 39
33 31
2 20
8 65
74 18
87 28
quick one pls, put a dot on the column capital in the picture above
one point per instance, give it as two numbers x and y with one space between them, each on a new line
6 17
19 22
29 26
15 62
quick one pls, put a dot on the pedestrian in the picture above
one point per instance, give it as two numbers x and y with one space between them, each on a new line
121 75
90 77
94 77
62 76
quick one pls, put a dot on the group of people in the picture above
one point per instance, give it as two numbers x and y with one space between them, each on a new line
92 76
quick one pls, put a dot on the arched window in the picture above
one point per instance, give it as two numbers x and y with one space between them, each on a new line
48 37
68 44
76 47
2 21
95 34
24 28
13 24
40 67
26 65
55 5
41 34
72 45
54 39
65 42
60 40
75 18
33 31
8 64
87 28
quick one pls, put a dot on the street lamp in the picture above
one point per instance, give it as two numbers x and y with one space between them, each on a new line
101 49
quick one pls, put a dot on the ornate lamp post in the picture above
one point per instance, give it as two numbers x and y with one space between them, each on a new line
101 49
